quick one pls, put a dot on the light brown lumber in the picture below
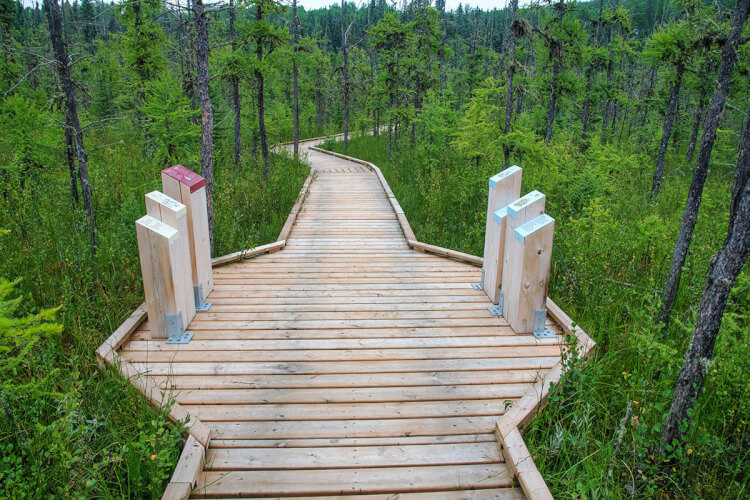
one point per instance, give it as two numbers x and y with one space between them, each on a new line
188 469
478 494
209 333
351 395
338 344
121 335
520 462
526 292
351 457
199 324
337 481
341 367
349 355
504 188
338 442
339 315
302 429
353 380
347 411
245 254
338 333
292 217
453 254
403 222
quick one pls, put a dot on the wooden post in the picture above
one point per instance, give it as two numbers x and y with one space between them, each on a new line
530 248
189 188
514 216
159 265
505 187
173 213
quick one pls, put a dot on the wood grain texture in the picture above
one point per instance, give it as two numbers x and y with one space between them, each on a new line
346 363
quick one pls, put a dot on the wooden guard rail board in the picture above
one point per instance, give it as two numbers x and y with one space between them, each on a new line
347 362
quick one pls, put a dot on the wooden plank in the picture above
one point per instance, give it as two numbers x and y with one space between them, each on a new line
351 395
351 457
245 254
518 213
355 380
483 494
292 217
336 442
303 429
531 250
174 214
342 344
348 355
159 268
346 411
188 469
504 188
522 465
453 254
337 481
341 367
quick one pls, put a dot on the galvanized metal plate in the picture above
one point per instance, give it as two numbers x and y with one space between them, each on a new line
495 310
476 286
181 339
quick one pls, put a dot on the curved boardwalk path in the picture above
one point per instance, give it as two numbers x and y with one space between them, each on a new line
347 363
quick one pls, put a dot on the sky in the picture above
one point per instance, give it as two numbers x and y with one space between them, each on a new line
449 4
314 4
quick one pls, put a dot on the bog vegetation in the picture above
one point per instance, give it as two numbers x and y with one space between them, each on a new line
619 111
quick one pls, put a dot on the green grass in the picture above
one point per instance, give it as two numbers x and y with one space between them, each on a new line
66 429
611 253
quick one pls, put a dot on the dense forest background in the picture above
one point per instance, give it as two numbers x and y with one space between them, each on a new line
609 106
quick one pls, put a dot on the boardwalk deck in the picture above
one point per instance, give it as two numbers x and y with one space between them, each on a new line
348 363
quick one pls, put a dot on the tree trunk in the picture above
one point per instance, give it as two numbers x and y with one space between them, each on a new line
667 130
710 125
295 40
55 30
261 99
207 111
345 72
694 135
235 93
591 74
71 154
552 100
509 85
722 274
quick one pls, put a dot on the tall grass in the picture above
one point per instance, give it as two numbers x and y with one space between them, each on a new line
66 429
598 436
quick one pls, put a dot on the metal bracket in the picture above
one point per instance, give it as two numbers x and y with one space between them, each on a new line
540 332
200 305
480 285
176 333
498 309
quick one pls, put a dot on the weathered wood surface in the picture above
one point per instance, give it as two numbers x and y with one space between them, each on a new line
347 364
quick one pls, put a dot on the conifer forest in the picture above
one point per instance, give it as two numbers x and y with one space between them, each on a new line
632 116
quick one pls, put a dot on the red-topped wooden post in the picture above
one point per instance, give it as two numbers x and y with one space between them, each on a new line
504 188
189 188
159 257
172 212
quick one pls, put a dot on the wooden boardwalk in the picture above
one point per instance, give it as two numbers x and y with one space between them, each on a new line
348 363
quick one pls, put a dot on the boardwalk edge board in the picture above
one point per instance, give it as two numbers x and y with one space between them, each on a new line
508 428
198 433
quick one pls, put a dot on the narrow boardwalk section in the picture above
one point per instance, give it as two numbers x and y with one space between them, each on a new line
347 363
